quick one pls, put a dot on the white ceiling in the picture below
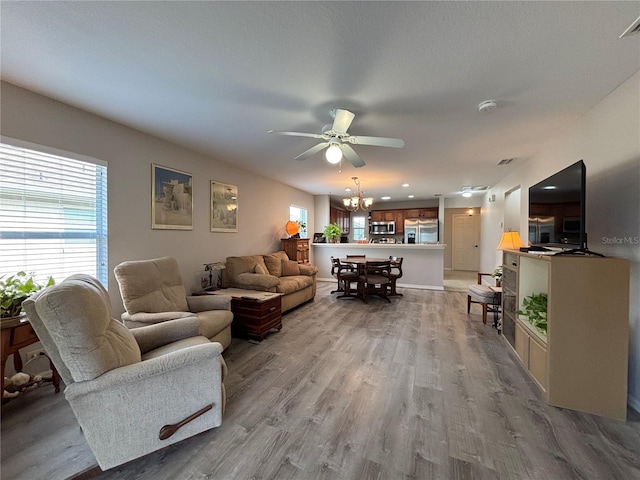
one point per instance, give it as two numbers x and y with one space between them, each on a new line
216 76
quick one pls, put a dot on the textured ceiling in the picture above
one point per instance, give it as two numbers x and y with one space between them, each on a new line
216 76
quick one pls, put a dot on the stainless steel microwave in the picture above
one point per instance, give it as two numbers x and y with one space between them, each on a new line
382 228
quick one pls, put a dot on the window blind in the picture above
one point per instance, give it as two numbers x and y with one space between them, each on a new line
53 215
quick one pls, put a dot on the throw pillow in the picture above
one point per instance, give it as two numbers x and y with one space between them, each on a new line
274 265
260 269
289 268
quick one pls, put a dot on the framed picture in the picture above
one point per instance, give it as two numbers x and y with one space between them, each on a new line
224 207
171 199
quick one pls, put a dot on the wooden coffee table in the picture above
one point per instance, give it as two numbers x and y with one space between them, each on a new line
255 313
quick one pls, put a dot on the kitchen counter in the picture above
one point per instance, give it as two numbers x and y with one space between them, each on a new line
422 267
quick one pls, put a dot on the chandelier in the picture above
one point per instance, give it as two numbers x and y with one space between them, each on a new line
358 202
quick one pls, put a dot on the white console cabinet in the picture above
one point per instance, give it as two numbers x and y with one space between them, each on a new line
581 363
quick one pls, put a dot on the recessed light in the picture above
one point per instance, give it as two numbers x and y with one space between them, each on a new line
466 194
411 196
549 187
347 189
385 198
405 185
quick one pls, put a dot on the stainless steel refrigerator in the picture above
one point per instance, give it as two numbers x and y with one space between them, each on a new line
541 230
421 230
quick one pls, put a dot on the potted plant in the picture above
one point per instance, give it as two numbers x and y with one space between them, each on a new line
497 274
534 307
331 232
302 225
14 290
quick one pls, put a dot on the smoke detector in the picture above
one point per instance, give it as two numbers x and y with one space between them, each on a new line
487 106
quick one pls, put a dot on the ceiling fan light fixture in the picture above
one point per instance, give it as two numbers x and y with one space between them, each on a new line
333 154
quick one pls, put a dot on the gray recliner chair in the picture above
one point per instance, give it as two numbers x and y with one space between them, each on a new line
132 391
152 292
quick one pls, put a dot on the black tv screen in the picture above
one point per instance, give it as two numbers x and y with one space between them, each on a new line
557 209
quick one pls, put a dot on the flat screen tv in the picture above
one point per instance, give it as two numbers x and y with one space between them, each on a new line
557 210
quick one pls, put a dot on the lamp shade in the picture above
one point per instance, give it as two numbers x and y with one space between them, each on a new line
510 241
292 227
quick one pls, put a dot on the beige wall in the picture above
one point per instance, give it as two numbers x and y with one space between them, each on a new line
263 203
607 138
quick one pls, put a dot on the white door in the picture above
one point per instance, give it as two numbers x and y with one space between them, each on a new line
466 242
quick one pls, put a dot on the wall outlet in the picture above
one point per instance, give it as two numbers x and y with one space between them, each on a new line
33 354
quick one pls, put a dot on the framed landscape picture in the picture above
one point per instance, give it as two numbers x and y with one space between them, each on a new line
171 199
224 207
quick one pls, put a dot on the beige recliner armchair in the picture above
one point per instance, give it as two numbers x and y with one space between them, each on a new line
129 389
152 292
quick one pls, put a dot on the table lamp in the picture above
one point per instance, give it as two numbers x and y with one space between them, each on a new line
510 241
214 267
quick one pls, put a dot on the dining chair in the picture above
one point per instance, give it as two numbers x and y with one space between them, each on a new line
345 275
396 273
375 279
484 295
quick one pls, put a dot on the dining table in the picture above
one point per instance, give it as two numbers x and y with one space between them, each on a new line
359 263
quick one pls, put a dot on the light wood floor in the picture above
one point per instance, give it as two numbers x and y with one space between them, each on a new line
459 280
412 390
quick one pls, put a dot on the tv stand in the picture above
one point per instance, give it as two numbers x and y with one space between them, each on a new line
579 251
581 361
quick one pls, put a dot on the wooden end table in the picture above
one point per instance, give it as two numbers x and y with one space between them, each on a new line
255 313
16 334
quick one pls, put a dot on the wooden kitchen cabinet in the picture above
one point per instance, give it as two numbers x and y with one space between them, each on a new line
377 216
399 217
421 213
342 218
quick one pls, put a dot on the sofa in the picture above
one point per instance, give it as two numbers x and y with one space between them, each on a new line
272 272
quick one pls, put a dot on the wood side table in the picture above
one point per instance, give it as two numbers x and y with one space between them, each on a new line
254 312
254 318
17 334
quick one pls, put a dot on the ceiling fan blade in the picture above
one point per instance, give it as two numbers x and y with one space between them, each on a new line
377 141
312 151
352 156
342 120
297 134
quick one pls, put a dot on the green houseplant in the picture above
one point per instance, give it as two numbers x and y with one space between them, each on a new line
14 290
497 274
332 231
534 307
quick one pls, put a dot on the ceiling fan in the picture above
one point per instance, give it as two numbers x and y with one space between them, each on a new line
338 142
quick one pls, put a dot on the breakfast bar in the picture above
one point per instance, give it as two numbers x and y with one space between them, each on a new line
423 265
